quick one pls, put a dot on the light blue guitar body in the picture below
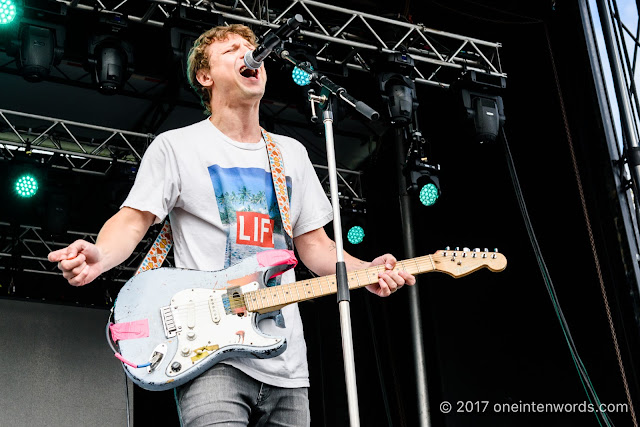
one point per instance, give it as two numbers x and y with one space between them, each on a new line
182 322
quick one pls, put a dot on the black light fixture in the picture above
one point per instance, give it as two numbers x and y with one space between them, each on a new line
111 55
396 86
422 174
41 47
36 41
483 104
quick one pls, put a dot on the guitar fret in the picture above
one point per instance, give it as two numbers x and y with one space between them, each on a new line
417 266
432 264
287 289
357 274
308 285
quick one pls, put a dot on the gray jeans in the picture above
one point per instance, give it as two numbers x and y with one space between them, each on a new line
226 396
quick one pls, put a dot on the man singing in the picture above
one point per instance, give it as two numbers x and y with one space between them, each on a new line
214 180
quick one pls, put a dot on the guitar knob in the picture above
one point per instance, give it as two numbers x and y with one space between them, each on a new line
191 335
176 366
186 351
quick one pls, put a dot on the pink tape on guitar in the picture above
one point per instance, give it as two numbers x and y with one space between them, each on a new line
129 330
276 257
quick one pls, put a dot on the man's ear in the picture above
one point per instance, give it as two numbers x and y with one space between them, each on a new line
204 78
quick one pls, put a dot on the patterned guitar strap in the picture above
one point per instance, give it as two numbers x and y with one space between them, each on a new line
161 246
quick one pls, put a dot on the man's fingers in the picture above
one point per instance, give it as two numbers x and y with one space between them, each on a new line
70 264
409 279
79 280
388 280
384 288
58 255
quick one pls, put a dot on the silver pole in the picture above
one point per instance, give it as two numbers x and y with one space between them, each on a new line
344 307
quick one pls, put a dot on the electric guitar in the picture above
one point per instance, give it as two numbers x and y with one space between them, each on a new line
170 324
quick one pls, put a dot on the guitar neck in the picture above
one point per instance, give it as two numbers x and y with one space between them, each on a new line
275 297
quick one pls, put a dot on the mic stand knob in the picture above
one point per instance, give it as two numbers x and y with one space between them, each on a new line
313 99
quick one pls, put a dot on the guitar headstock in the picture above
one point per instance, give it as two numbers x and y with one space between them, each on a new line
458 263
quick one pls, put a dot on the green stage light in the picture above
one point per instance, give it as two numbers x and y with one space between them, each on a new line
355 235
429 194
26 186
7 11
300 77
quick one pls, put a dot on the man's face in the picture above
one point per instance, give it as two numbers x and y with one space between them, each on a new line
228 76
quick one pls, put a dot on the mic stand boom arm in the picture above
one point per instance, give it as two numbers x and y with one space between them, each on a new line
330 86
330 93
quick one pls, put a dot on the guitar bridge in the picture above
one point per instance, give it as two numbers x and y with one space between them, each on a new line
168 323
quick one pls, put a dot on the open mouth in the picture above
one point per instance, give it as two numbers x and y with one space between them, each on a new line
248 72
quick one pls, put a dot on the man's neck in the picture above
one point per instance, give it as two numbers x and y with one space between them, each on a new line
240 122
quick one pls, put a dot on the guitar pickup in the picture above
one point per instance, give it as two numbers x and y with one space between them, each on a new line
168 323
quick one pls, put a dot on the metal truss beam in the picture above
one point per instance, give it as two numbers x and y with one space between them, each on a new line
89 148
71 145
25 248
348 38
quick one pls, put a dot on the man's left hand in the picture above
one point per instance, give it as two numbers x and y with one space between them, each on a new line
389 280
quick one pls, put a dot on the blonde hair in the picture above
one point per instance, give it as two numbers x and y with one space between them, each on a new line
199 59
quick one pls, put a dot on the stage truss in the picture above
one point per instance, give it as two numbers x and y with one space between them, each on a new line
345 37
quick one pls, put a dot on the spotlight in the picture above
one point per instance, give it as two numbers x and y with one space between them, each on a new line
422 175
41 47
355 235
26 186
301 77
8 11
429 194
110 57
483 105
397 88
425 181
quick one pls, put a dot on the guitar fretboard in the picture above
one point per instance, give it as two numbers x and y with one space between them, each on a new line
273 298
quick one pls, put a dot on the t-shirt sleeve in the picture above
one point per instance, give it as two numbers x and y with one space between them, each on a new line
157 185
315 209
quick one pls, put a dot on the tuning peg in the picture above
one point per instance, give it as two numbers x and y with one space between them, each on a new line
466 249
476 249
486 250
457 248
448 248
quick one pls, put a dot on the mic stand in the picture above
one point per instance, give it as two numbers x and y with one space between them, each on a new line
328 97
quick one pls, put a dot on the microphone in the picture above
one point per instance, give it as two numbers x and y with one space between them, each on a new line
254 58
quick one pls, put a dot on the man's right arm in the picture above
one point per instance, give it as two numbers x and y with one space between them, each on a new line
81 262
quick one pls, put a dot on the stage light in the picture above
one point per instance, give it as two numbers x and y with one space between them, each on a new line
483 105
40 49
355 235
110 58
429 194
7 11
26 186
398 90
301 77
423 175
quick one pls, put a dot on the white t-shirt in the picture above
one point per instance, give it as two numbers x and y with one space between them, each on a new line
215 191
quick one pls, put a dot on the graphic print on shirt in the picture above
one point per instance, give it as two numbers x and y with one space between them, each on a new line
248 210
